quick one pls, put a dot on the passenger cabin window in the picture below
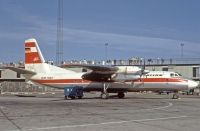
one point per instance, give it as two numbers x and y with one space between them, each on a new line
154 75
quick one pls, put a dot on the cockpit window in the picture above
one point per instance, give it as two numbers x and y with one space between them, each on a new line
176 75
172 74
179 74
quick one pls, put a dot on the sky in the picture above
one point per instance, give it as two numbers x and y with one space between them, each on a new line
132 28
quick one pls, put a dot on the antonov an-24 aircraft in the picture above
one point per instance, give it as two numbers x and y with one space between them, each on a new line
115 79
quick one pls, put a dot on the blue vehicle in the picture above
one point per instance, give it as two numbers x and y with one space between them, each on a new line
73 92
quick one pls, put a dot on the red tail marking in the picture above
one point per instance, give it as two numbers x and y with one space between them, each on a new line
31 57
30 44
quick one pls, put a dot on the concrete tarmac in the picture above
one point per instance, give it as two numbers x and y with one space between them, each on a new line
137 112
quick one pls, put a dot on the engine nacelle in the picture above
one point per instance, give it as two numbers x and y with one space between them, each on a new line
129 70
125 77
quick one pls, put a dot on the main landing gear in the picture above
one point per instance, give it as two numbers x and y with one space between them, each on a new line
121 95
105 94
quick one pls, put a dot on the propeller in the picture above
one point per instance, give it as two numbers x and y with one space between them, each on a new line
143 71
143 67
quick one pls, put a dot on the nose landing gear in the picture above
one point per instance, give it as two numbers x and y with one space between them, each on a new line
175 95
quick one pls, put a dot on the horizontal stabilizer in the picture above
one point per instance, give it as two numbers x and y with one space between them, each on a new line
21 71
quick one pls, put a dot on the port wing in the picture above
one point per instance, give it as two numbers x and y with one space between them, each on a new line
96 69
98 73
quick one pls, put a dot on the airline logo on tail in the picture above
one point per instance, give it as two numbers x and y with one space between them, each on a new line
32 52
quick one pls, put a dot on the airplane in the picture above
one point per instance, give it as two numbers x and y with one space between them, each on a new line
39 72
113 79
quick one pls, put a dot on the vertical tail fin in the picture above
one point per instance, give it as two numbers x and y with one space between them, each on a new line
33 54
34 60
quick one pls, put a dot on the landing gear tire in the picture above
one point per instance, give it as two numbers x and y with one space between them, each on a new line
66 97
72 97
104 95
80 97
121 95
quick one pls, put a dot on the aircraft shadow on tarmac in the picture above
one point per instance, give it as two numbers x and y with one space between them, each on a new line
112 97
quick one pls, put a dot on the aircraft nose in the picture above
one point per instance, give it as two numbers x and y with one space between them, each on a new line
192 84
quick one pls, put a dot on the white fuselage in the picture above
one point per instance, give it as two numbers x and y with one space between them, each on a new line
153 81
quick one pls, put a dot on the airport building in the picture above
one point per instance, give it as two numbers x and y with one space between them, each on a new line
11 81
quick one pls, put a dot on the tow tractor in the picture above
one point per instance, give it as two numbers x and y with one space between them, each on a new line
73 92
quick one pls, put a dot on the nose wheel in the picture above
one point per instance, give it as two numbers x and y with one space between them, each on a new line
175 95
104 95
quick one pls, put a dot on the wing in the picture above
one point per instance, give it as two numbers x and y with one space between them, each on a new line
94 68
98 73
20 70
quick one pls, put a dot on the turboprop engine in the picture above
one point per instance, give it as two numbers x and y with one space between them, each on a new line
127 73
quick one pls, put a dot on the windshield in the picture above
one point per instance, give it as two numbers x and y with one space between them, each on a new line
175 75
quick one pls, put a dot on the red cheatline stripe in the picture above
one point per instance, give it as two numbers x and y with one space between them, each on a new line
85 81
62 81
161 80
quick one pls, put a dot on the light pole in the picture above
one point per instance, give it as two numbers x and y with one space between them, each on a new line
106 52
182 44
